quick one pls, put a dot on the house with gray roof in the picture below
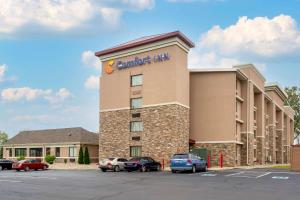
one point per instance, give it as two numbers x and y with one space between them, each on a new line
63 143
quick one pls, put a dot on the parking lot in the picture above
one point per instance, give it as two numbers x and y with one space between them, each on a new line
93 184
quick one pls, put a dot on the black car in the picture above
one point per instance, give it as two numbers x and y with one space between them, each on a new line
142 164
5 164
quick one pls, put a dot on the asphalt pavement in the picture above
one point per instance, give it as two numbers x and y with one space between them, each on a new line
260 184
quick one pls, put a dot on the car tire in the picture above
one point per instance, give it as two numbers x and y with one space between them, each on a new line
26 169
173 171
205 169
116 168
158 168
103 170
194 169
1 168
17 170
143 169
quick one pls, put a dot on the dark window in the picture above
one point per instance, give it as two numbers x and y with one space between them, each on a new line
137 138
48 151
181 156
9 152
135 151
136 115
36 152
57 152
20 152
136 80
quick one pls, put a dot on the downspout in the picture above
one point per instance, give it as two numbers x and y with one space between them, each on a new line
248 113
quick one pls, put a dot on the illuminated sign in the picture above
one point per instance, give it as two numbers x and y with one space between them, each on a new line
108 68
143 61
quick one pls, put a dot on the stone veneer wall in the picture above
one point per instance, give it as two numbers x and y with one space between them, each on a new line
261 152
230 152
166 131
247 147
272 143
279 147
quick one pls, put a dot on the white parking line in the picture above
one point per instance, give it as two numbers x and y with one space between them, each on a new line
234 174
11 181
31 177
263 175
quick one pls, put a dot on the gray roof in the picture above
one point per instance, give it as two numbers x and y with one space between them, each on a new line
50 136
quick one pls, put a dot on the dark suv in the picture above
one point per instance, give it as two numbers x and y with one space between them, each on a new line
142 164
5 164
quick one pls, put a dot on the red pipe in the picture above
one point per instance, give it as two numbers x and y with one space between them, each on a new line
221 160
208 161
163 164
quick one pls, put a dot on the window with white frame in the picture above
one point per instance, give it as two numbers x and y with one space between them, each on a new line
136 103
72 152
136 126
136 80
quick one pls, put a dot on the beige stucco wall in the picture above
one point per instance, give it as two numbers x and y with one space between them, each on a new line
169 86
212 102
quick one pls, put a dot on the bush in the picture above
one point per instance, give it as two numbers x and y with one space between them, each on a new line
65 161
80 157
86 157
21 158
50 159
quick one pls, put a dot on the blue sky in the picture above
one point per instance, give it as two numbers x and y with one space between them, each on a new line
48 74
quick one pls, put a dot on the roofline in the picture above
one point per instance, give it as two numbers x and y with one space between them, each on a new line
250 65
192 70
278 89
147 41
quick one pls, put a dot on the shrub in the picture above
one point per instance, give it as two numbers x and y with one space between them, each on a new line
86 157
21 158
80 157
65 161
50 159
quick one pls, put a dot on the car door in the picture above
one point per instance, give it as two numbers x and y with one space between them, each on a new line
152 163
120 163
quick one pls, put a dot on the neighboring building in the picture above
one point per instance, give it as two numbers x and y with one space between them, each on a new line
62 143
151 104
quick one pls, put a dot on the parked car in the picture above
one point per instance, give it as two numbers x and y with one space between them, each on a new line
142 164
5 164
115 164
187 162
31 164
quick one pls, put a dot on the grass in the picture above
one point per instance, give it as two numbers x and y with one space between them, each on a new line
282 167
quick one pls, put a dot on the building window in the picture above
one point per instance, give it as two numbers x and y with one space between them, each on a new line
48 151
57 152
9 152
136 126
135 151
20 152
136 115
72 152
36 152
135 103
136 138
137 80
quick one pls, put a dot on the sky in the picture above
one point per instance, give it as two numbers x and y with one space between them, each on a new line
49 74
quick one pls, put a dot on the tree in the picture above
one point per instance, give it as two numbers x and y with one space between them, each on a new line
3 140
80 157
86 156
294 101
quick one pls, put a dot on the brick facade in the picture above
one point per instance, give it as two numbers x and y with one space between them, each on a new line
166 131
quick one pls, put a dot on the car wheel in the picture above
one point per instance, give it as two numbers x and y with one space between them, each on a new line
44 167
17 170
117 168
194 170
205 168
173 171
103 170
1 168
144 169
158 168
27 169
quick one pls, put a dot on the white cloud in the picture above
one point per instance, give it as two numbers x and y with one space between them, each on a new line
88 58
192 1
30 94
92 82
2 72
39 118
260 36
63 15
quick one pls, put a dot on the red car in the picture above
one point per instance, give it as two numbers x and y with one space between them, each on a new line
27 165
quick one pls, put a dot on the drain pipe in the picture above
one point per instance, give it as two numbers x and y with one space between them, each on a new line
248 113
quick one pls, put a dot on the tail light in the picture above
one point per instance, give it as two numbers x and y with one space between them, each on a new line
109 163
189 161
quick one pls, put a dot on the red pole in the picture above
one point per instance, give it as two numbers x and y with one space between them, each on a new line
208 161
163 164
221 160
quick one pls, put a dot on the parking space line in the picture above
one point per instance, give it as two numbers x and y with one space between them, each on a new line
234 174
11 181
263 175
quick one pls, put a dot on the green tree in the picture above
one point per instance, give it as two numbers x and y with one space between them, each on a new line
294 101
80 157
3 140
86 156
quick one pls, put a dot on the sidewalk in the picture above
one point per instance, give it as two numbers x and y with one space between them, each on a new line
247 167
73 166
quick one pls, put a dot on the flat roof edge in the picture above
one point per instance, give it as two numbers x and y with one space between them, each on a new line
212 70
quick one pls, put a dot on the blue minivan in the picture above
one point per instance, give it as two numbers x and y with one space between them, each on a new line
187 162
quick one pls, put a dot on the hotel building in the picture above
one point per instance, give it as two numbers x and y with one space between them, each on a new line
152 104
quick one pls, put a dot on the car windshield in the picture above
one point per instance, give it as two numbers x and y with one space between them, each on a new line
22 161
134 159
181 156
111 159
